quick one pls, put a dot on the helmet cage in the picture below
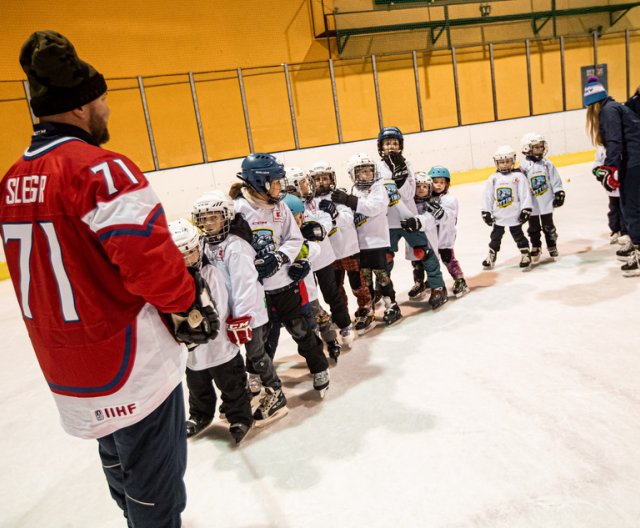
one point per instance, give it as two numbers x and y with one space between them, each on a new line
318 175
422 179
204 215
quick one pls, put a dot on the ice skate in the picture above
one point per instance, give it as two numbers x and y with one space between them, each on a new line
438 297
525 260
623 240
460 287
418 291
334 350
365 320
490 261
194 426
553 252
238 431
535 254
625 252
346 335
614 238
392 312
273 406
321 382
254 384
632 267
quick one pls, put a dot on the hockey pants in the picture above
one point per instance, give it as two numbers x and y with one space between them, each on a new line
258 361
231 379
144 464
550 233
516 232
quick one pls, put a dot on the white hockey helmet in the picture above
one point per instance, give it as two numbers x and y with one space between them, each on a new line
213 213
422 178
298 183
188 240
319 173
531 139
356 166
504 153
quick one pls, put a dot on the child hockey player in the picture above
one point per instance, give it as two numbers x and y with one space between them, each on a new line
400 182
277 241
344 240
547 192
507 203
615 215
303 186
369 201
443 207
311 251
218 360
228 240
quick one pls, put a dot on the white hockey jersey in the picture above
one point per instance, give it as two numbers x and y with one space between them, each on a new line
370 217
544 181
405 207
344 236
447 225
310 279
274 229
218 350
505 195
429 228
312 211
234 257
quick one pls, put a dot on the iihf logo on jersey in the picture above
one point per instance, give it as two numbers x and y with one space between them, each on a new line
539 184
99 415
504 196
118 411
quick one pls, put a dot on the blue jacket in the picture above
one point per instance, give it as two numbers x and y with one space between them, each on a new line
620 129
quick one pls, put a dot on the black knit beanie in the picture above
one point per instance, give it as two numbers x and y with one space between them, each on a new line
58 80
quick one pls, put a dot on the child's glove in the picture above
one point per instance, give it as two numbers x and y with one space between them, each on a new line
341 197
312 230
558 200
238 330
608 177
398 166
524 216
433 206
411 225
330 208
268 265
488 218
299 270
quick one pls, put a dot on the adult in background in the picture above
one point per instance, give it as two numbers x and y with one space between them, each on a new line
93 265
617 128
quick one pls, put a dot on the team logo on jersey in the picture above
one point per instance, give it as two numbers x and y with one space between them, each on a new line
219 254
359 219
263 242
392 191
277 214
539 184
504 196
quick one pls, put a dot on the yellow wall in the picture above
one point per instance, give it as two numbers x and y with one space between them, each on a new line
165 39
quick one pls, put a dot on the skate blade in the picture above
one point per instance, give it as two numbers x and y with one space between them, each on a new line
280 413
418 297
365 330
528 268
322 392
622 259
395 322
462 293
631 273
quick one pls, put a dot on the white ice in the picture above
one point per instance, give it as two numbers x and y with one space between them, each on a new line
515 406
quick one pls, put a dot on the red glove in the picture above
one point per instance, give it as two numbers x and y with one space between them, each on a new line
608 177
238 330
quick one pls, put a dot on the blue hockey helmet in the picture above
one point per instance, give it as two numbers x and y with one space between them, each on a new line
260 170
293 203
438 171
390 133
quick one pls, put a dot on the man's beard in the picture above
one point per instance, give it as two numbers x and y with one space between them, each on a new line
98 129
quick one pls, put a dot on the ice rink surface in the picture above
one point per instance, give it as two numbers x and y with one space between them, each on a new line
517 406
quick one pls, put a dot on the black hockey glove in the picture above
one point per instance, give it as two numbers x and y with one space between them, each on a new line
313 231
410 225
269 264
558 200
200 323
341 197
299 270
524 216
433 206
330 208
488 218
398 166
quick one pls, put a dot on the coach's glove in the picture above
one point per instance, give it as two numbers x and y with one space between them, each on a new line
299 270
398 166
488 218
432 205
410 225
341 197
524 216
558 200
608 177
238 330
313 231
269 264
200 322
330 208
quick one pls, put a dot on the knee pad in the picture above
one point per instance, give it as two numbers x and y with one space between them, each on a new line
420 253
383 277
551 232
390 256
298 328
